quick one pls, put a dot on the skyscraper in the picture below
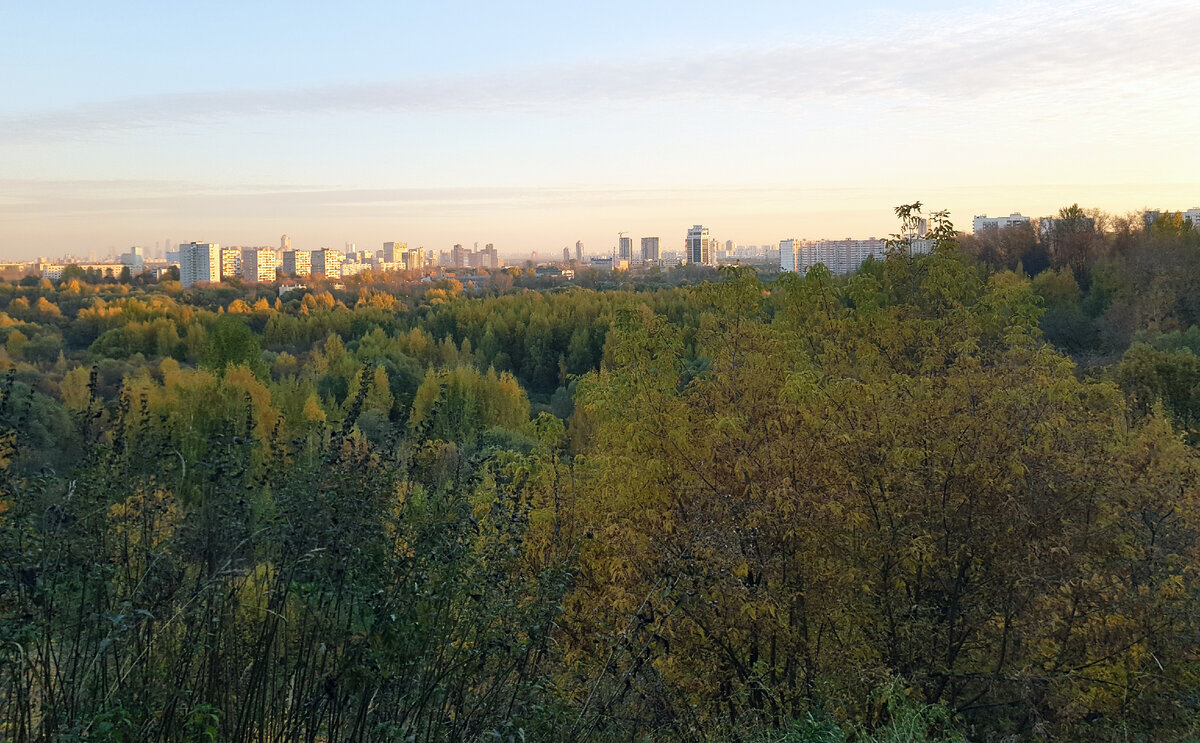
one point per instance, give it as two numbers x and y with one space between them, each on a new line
231 263
699 246
285 243
199 262
625 252
566 255
327 262
414 259
650 250
258 265
393 251
490 257
579 250
787 254
296 263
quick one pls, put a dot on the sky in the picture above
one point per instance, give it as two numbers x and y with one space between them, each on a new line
535 124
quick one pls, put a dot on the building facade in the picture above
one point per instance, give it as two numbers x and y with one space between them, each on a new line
392 251
259 265
625 248
199 262
839 256
327 262
54 271
788 250
413 259
491 258
650 253
1190 215
231 263
700 246
296 263
981 223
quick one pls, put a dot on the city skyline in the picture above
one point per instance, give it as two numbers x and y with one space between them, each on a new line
533 129
157 249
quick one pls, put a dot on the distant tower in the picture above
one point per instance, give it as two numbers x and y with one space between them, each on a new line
327 262
199 262
625 251
259 265
699 246
579 250
566 255
296 263
393 251
789 252
231 263
285 243
650 250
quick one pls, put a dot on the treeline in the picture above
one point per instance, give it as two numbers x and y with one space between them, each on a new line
312 343
806 509
1120 294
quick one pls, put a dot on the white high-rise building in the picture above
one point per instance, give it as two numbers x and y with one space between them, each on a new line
199 262
841 256
984 223
788 250
700 246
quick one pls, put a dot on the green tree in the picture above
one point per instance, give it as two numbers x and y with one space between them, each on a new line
229 342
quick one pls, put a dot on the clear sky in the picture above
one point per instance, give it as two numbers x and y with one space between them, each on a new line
533 125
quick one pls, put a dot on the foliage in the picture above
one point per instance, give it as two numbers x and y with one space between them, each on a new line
866 485
699 506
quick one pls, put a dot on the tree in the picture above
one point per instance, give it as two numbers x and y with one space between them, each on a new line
893 475
1074 242
230 342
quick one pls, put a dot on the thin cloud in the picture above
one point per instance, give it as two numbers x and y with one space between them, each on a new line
41 199
1080 54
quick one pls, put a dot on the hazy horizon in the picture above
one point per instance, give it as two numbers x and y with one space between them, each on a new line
537 126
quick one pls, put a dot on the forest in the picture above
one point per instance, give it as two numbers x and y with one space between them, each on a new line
952 497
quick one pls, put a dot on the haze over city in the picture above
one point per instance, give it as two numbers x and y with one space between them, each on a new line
536 126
